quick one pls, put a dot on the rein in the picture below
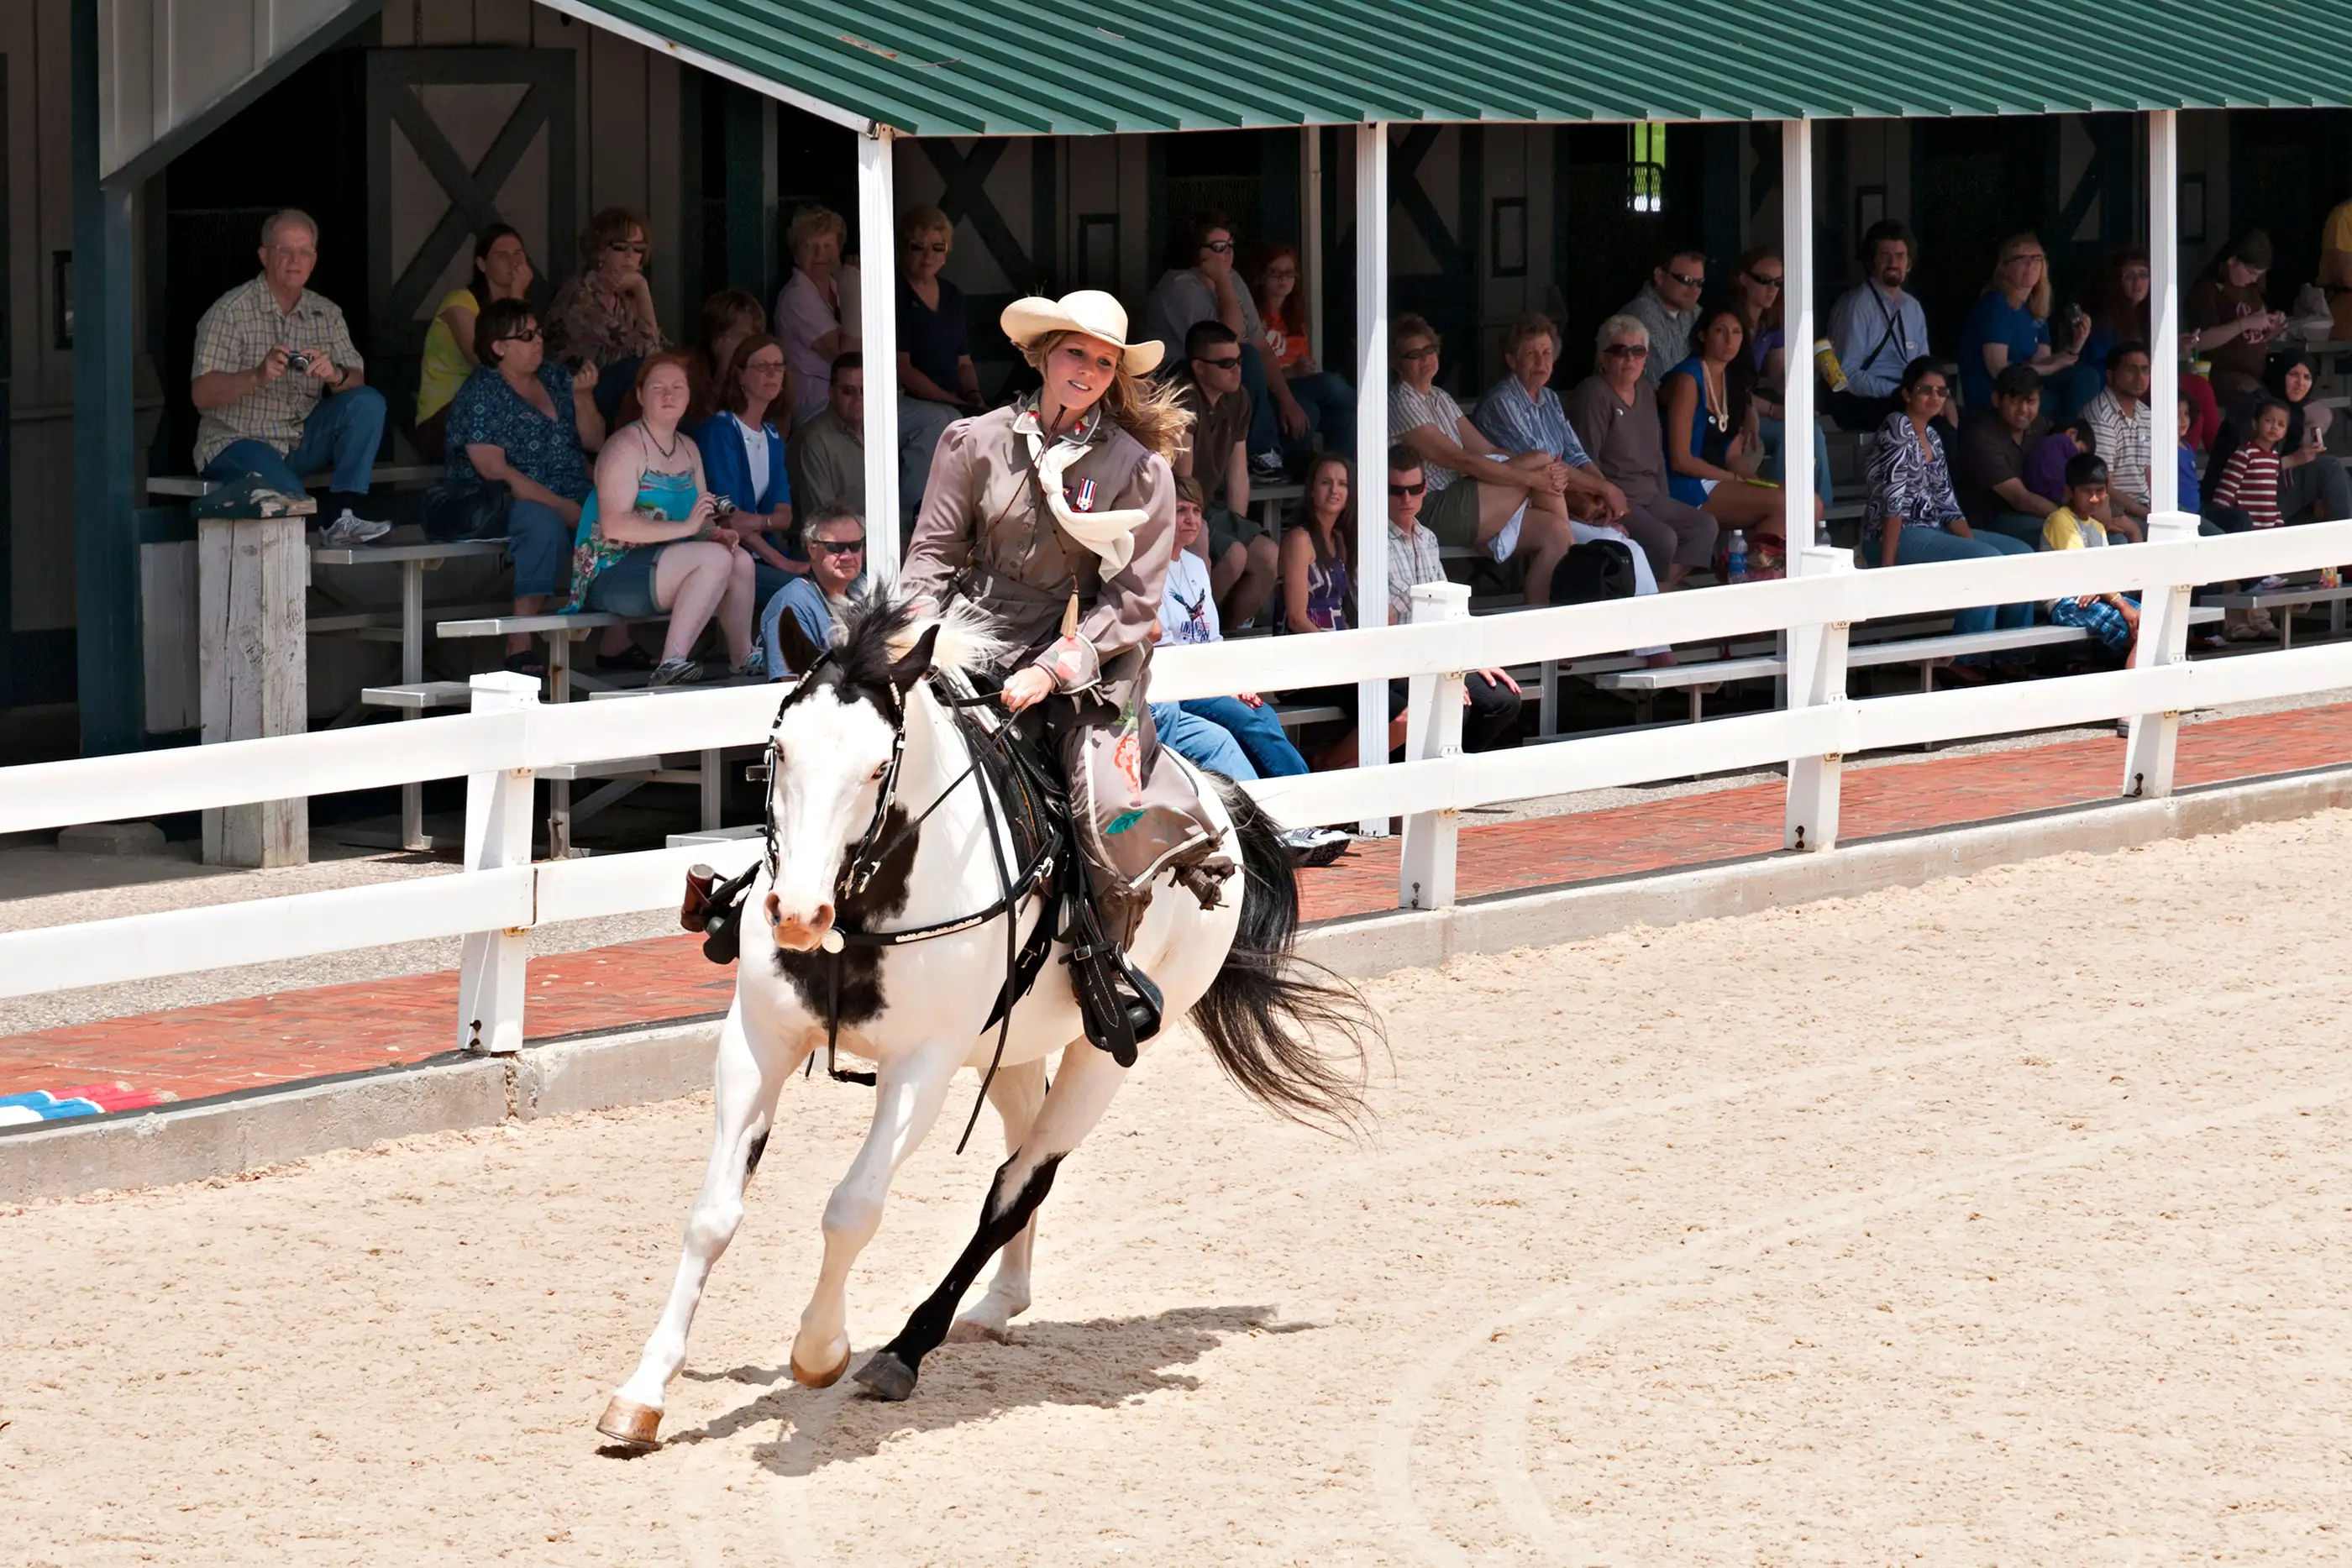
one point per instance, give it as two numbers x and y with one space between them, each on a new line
858 872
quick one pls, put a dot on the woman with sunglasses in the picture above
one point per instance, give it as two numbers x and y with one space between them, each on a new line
503 271
1758 280
1614 414
1912 517
522 420
1202 283
604 317
938 384
743 461
1326 402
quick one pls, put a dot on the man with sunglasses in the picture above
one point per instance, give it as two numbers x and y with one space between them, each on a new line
1667 305
1877 330
1243 557
1204 285
837 574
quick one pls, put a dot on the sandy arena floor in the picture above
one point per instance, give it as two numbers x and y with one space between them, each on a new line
2000 1221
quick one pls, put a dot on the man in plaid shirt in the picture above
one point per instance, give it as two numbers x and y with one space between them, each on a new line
280 388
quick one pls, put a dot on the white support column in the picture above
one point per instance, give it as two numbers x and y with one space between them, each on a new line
1425 873
1797 313
878 274
1372 433
1311 221
2163 640
490 963
2164 306
1817 672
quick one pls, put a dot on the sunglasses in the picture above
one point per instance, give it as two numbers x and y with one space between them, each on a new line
1931 389
1627 351
1688 282
527 334
1282 272
1223 364
1425 352
1409 489
637 246
1763 282
936 247
1219 245
838 546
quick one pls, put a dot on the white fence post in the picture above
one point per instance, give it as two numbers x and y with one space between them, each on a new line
1371 568
498 834
2163 640
1432 729
1817 674
877 277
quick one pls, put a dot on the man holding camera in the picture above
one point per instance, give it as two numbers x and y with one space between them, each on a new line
280 387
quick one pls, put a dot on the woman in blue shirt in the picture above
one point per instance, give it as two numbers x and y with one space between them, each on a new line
743 461
1710 430
2010 323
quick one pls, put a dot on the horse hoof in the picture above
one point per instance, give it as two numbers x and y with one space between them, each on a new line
807 1379
631 1424
886 1376
967 1331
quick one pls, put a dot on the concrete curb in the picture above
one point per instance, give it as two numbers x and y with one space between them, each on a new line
639 1066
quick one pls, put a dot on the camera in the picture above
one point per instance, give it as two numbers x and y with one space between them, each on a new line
299 361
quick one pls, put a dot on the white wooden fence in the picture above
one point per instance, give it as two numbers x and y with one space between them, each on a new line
501 895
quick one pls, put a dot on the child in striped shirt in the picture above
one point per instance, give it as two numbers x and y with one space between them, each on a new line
2250 480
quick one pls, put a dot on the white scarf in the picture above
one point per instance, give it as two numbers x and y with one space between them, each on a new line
1109 534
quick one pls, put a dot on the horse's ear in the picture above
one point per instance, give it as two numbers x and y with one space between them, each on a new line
800 654
916 662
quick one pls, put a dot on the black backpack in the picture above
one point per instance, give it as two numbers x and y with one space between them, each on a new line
1595 569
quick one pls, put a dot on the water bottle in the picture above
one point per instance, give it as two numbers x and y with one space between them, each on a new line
1736 557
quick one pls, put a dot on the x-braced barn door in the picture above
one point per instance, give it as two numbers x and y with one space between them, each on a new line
460 140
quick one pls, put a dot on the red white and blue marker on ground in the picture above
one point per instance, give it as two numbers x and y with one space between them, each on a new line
85 1099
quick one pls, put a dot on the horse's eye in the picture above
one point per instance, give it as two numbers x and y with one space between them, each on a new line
879 770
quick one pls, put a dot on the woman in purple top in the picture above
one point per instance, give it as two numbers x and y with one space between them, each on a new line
1315 592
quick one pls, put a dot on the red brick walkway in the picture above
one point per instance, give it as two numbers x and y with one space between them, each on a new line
194 1052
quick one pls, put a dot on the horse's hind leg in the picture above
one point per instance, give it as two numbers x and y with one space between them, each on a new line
746 1105
1080 1094
1016 1092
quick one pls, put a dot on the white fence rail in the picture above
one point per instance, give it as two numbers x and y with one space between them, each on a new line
500 896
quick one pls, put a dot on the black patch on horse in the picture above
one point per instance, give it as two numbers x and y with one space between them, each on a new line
861 967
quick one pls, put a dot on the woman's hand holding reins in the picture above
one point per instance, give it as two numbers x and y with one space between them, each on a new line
1026 689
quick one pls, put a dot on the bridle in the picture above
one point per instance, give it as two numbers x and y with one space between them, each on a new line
858 871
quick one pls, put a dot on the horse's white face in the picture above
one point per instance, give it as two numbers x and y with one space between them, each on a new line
830 759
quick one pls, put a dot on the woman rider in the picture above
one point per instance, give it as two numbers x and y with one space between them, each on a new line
1057 517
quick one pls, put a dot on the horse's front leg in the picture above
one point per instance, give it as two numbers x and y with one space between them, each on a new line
1016 1092
745 1092
1081 1092
908 1093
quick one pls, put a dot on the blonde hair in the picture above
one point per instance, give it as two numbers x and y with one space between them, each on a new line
1146 410
917 222
2037 302
808 223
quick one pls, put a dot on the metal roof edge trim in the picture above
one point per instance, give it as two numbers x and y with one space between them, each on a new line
597 15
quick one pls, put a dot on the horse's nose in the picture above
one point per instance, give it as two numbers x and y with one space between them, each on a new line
799 933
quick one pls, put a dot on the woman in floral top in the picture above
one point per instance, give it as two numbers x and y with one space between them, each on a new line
604 317
1912 517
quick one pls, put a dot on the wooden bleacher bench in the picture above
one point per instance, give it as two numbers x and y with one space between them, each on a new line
2288 594
386 475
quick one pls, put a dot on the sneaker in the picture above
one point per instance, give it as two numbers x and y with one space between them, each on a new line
2270 584
1315 846
674 673
348 530
1268 466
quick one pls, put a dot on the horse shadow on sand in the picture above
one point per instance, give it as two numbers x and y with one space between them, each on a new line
1103 1363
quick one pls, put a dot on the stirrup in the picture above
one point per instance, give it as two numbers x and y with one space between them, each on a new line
1118 1005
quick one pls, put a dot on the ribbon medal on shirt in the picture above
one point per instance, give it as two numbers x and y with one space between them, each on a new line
1081 499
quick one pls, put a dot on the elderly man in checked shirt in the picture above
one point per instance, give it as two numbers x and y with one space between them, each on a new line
280 388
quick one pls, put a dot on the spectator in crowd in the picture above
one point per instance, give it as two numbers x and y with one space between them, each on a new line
827 455
2112 617
604 317
1877 330
2311 486
2335 268
279 388
2229 320
501 271
836 575
649 541
1667 307
1491 695
938 384
1613 414
1201 285
1990 460
2046 458
1242 556
2250 484
1522 414
2122 435
1318 588
728 317
522 419
2186 455
1757 280
743 462
2118 304
1911 516
1510 505
1711 451
1326 402
808 313
2010 323
1239 736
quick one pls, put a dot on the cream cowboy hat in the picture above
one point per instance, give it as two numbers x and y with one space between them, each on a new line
1090 311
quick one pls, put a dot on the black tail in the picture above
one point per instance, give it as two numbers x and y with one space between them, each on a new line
1260 1012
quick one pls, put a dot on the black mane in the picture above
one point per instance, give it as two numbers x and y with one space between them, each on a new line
860 660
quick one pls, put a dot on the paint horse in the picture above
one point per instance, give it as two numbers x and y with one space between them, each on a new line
873 727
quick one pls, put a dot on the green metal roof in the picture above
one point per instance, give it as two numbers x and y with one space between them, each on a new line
967 68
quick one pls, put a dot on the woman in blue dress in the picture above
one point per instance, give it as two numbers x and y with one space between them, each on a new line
1712 450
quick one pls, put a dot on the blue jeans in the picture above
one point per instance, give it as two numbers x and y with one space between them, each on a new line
1199 741
343 433
1257 730
1922 547
539 542
1774 432
1330 403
